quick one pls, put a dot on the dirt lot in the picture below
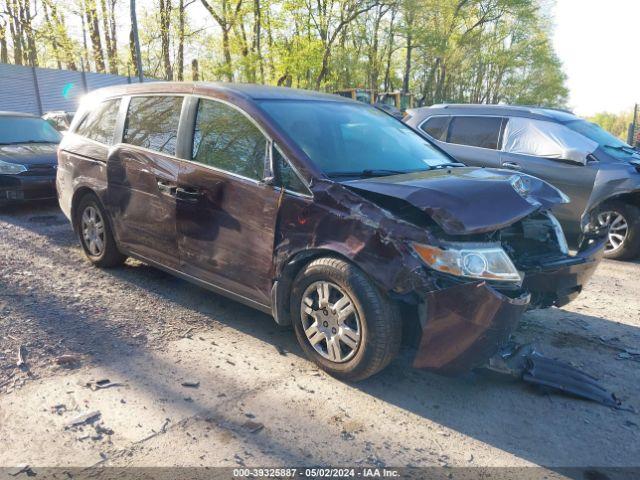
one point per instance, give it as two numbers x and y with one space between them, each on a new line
258 402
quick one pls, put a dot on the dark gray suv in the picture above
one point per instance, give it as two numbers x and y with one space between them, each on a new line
599 172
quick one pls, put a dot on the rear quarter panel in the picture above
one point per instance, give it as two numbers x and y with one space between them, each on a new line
82 164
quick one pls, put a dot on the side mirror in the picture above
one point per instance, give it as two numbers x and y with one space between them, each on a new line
269 181
573 155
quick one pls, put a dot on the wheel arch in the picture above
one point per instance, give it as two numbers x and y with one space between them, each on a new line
631 197
281 289
78 195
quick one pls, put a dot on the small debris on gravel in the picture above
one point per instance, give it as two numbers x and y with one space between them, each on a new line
102 384
68 360
59 409
187 333
22 469
84 418
191 383
165 424
252 427
22 357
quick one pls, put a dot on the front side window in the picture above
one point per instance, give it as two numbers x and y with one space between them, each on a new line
594 132
100 123
527 136
436 127
152 122
286 175
18 129
224 138
475 131
346 139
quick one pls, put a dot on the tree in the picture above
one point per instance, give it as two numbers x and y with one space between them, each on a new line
91 16
226 16
615 123
479 51
165 35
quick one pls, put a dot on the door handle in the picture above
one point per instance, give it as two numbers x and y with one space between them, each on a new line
188 194
512 165
167 188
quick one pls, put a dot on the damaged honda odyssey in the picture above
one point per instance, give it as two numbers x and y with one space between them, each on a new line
328 214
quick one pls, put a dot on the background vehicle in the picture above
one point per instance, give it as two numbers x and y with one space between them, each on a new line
59 119
27 158
285 200
598 172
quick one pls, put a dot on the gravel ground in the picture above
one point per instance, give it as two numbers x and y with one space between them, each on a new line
253 399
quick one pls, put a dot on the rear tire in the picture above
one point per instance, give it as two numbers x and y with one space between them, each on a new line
624 234
356 331
94 232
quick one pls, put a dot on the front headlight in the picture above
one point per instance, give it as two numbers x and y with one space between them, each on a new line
7 168
481 262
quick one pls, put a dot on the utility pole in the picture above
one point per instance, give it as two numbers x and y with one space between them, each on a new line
136 40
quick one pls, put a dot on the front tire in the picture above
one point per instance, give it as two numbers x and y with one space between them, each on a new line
95 234
342 321
623 222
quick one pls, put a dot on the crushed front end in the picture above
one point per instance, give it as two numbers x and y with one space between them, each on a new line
468 250
465 321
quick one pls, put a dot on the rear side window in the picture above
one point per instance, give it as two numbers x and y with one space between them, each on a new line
436 127
152 122
475 131
224 138
100 123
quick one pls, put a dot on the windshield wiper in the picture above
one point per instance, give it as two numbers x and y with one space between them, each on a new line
623 148
368 173
27 141
445 165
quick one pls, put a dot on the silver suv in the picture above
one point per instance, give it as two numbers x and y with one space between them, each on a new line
599 172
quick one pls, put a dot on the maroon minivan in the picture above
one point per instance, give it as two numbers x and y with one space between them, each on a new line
328 214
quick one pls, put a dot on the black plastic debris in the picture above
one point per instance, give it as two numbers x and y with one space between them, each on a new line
527 364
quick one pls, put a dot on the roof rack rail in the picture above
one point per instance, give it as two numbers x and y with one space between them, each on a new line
527 108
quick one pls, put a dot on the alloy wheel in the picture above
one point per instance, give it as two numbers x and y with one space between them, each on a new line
618 229
330 321
93 231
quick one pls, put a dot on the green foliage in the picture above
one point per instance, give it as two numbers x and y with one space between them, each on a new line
480 51
615 123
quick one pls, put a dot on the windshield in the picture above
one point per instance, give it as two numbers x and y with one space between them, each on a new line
597 134
345 139
26 130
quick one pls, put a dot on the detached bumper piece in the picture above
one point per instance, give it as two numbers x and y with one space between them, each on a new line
525 363
559 282
465 325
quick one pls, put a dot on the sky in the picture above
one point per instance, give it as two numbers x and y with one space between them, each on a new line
599 46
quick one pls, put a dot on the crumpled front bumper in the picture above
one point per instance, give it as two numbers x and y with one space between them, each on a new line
558 283
464 325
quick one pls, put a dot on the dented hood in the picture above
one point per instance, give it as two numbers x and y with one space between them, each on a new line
466 200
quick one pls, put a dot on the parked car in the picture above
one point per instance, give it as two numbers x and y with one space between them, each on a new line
27 158
59 119
599 172
326 213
